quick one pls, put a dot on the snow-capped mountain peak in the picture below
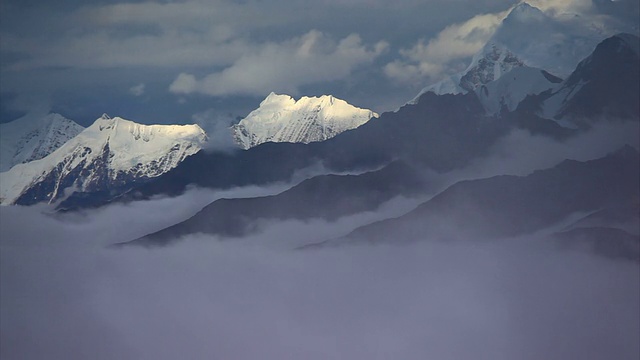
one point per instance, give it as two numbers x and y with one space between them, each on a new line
487 65
280 118
33 137
553 44
107 154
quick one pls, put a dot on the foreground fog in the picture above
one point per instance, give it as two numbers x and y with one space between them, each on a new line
204 299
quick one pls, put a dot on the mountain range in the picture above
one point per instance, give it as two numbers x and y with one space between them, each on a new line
491 208
444 132
441 132
111 153
555 46
278 119
450 125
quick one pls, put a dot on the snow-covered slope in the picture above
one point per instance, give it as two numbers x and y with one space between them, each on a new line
614 66
108 154
487 65
33 137
527 36
280 118
553 43
511 88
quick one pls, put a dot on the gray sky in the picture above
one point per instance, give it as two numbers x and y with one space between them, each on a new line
164 61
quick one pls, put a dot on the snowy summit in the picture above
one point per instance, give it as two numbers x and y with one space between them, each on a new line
110 152
555 46
33 137
280 118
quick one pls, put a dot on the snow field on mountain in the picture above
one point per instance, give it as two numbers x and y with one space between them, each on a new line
280 118
141 150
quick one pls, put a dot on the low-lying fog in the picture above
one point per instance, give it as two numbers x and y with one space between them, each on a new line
64 295
203 299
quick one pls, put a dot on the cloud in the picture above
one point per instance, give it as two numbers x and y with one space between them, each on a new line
521 153
209 299
434 58
217 126
562 6
184 84
189 33
137 90
284 67
449 51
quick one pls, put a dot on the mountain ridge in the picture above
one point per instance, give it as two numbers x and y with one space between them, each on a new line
107 154
280 118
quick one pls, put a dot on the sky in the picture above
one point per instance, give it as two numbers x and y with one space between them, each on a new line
177 61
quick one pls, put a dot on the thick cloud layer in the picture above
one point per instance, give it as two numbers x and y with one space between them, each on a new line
204 299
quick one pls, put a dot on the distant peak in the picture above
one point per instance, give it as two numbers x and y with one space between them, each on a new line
525 6
525 12
105 116
274 98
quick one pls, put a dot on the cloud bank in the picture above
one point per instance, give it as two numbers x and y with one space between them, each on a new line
443 53
208 299
284 67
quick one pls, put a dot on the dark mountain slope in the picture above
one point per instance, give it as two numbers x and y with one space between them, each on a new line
604 85
328 197
504 206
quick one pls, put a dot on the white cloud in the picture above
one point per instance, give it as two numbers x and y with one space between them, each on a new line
184 84
433 58
137 90
562 6
283 67
508 300
217 126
